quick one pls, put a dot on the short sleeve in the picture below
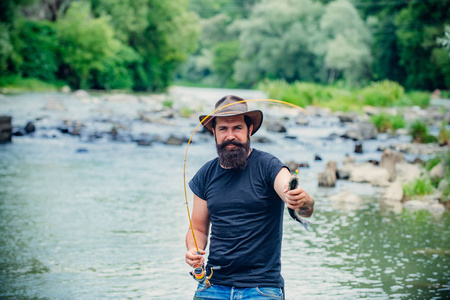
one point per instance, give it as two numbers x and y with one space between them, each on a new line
198 186
274 167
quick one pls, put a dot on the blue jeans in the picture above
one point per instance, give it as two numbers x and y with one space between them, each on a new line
219 292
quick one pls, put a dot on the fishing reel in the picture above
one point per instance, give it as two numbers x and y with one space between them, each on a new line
199 274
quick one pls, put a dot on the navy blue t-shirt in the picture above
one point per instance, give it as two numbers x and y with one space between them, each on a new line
246 221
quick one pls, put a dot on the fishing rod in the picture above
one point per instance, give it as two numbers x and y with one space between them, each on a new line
199 273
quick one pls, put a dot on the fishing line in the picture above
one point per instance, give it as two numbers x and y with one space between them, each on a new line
206 118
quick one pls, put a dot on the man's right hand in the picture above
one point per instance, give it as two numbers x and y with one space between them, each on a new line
193 258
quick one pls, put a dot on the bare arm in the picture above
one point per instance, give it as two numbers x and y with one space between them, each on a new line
200 222
297 198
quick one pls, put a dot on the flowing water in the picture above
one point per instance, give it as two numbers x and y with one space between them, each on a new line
109 222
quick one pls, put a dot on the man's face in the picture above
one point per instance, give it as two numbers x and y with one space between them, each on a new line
232 141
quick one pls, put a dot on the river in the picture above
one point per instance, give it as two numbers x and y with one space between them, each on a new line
109 222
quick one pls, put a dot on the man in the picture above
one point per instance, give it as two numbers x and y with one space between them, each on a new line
241 194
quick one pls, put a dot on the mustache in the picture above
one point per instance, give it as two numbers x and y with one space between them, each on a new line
231 142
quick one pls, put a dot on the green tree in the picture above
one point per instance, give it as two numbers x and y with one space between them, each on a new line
225 54
236 9
127 17
418 27
444 41
348 48
37 45
162 33
85 43
386 59
280 40
6 47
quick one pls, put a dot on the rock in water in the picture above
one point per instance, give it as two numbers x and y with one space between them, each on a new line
5 129
389 159
328 177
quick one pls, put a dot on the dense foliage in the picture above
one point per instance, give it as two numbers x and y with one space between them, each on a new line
354 42
145 44
102 44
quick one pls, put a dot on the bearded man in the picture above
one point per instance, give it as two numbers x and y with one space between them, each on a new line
241 195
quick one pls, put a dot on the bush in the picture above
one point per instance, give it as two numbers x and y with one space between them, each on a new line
384 93
274 88
419 133
421 99
388 123
418 187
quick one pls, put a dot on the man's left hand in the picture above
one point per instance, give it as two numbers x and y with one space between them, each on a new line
298 198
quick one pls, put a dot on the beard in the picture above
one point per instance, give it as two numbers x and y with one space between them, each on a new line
235 158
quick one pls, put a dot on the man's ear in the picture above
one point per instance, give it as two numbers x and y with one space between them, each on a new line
250 130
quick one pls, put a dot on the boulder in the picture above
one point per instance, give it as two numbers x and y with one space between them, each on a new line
344 171
394 192
367 172
144 142
328 177
303 120
421 149
65 89
29 128
54 105
358 147
438 171
348 118
353 134
275 127
429 203
389 159
350 159
368 130
371 110
82 94
261 139
331 165
318 111
175 141
5 129
405 172
346 196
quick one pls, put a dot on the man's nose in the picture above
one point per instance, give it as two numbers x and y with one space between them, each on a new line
230 135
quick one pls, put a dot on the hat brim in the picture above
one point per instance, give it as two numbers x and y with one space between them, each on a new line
255 115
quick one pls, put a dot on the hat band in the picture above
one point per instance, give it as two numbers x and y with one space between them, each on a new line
228 113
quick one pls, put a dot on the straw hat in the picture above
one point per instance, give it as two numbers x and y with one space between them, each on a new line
229 109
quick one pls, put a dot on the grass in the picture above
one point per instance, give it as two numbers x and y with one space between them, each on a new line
18 84
418 187
380 94
419 133
388 123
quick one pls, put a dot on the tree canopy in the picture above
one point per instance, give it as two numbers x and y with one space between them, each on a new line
144 45
130 44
